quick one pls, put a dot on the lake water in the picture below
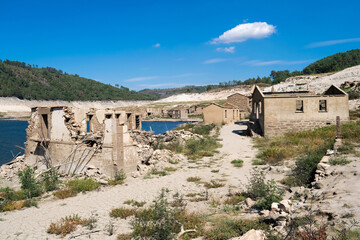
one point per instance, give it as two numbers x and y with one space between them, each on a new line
13 133
160 127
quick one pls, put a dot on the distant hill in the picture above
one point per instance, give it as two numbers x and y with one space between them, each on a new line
334 63
164 93
17 79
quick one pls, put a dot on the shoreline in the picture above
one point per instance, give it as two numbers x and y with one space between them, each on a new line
173 120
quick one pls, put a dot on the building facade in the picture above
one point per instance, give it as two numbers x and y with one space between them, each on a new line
72 139
281 112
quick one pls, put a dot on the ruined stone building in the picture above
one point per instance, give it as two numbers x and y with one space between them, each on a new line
280 112
240 101
73 139
215 113
178 113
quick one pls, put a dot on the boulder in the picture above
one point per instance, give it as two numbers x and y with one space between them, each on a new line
284 205
249 202
251 235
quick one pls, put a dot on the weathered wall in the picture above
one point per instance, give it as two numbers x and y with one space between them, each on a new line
218 115
281 116
240 101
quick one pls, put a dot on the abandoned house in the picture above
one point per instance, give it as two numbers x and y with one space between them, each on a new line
280 112
215 113
73 139
178 113
240 101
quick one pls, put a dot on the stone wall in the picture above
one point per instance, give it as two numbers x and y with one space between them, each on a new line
281 127
240 101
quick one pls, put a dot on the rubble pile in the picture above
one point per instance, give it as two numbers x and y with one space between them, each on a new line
351 85
10 170
70 123
149 138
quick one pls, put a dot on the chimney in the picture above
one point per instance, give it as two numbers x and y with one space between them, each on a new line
272 89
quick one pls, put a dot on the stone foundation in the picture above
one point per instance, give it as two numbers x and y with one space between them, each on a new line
281 127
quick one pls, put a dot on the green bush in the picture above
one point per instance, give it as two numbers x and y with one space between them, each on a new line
122 212
83 185
157 222
51 180
265 193
228 228
237 163
161 221
339 161
29 183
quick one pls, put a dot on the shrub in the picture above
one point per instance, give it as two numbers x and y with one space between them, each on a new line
265 193
28 182
213 184
258 162
124 236
135 203
235 199
65 193
67 225
237 163
157 222
76 186
203 129
120 175
305 167
339 161
161 221
83 185
228 228
51 180
122 212
193 179
13 200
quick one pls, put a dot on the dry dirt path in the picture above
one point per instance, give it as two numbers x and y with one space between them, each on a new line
31 223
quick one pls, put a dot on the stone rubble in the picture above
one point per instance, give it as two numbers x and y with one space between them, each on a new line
251 235
10 170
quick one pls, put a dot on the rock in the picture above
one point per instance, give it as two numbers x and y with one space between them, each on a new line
103 182
251 235
318 185
329 152
285 206
322 166
274 206
249 202
265 213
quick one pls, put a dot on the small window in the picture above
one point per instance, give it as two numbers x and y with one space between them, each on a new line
108 116
225 113
117 115
322 106
299 106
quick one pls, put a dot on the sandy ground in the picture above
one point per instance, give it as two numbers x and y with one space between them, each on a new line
31 223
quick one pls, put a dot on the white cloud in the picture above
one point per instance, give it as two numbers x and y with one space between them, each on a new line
245 31
226 49
275 62
156 45
332 42
139 79
214 60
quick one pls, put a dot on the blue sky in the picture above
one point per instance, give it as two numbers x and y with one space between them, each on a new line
172 43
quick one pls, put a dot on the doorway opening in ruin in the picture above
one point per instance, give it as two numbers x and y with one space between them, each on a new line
46 125
88 123
137 122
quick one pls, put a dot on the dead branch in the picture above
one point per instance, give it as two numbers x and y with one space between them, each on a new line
182 232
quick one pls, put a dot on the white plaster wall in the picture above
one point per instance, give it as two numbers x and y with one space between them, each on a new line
108 131
59 132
